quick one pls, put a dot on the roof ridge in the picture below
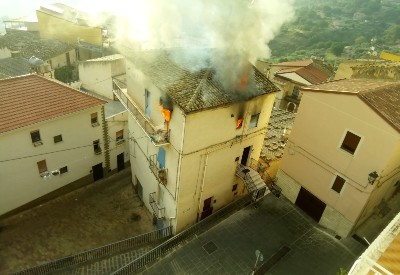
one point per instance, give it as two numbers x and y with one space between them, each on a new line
198 89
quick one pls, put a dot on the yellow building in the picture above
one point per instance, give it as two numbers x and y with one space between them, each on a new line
341 161
190 137
58 21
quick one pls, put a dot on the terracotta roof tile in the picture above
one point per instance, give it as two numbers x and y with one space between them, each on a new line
191 83
382 96
30 99
300 63
309 73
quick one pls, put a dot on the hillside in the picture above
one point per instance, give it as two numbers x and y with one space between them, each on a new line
339 28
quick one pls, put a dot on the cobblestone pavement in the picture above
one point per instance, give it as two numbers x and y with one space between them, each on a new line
274 224
103 212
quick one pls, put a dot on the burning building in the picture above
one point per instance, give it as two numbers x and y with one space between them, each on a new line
191 137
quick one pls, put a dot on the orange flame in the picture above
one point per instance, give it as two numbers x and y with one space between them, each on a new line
166 113
239 123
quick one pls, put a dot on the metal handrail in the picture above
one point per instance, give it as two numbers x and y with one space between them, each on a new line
160 173
196 229
157 209
157 136
99 252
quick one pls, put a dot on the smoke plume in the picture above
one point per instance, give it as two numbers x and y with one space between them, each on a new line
240 30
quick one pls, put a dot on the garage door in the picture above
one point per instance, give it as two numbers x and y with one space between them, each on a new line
310 204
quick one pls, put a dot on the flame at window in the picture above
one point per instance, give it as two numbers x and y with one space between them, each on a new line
239 123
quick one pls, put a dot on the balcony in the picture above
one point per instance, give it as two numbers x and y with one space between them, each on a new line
158 135
157 209
159 173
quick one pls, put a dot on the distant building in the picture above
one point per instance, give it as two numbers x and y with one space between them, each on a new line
341 162
26 44
97 74
51 141
29 24
291 76
64 23
191 140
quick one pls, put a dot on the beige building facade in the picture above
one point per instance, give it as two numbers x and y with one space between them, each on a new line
186 148
97 74
51 140
341 161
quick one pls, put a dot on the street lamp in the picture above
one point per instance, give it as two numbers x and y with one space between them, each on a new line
259 257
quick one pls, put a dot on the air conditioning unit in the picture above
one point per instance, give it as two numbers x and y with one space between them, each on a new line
55 172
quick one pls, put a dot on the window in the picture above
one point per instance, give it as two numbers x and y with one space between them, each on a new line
350 142
239 123
234 187
96 147
42 166
338 184
93 119
295 92
35 136
57 138
147 102
63 169
254 121
119 136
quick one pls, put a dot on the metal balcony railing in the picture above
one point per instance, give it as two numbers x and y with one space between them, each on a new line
157 209
159 173
158 135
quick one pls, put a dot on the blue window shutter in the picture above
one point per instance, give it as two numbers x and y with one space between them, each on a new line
161 157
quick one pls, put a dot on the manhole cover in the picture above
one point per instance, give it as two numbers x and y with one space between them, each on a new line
135 217
210 247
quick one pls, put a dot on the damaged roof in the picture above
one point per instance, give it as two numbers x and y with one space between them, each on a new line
381 96
30 99
191 82
30 44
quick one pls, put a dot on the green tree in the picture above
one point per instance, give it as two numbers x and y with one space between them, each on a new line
360 39
64 74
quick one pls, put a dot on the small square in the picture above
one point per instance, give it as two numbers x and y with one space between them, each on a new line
210 247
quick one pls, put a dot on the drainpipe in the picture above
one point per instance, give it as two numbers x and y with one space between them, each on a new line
203 181
178 168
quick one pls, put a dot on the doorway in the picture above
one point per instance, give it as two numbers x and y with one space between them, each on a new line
310 204
207 208
98 171
245 156
120 162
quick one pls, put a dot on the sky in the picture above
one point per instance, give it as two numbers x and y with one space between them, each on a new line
20 8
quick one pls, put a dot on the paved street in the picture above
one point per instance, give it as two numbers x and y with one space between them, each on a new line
274 224
91 216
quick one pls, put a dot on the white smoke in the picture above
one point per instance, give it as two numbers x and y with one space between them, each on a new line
239 29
